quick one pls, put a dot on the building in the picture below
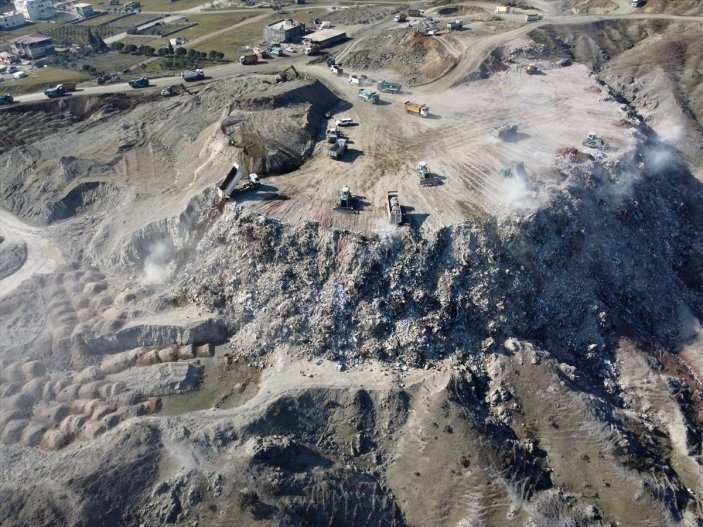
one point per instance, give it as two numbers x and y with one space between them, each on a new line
83 10
284 31
33 46
326 37
11 19
35 9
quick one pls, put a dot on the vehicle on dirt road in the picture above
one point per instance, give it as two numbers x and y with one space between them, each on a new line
395 213
417 109
193 75
141 82
345 121
252 58
56 91
168 92
6 99
345 202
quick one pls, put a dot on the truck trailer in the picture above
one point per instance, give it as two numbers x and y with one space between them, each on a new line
369 96
251 58
336 151
388 87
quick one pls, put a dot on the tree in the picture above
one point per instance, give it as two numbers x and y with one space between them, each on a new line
130 48
181 51
117 46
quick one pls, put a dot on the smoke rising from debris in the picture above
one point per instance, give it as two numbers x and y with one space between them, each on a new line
158 265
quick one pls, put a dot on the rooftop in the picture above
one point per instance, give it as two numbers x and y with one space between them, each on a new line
82 5
30 39
284 24
324 34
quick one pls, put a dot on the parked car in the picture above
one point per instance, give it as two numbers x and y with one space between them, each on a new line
345 121
141 82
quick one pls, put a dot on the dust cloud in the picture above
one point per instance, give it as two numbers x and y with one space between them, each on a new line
158 265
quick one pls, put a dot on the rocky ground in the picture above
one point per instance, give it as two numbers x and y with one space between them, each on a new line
170 358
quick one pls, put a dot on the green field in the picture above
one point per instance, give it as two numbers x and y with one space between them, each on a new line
41 79
6 35
106 19
168 6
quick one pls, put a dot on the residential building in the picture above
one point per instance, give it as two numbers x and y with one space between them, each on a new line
284 31
35 9
32 46
11 19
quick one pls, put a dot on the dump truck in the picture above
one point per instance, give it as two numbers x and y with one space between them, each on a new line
532 17
388 87
369 96
416 12
417 109
336 69
251 58
141 82
395 213
336 151
228 187
345 202
56 91
594 141
168 92
455 26
6 99
402 17
69 86
193 75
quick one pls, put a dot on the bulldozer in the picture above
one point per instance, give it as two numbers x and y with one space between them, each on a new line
283 76
517 169
531 69
423 172
594 141
345 201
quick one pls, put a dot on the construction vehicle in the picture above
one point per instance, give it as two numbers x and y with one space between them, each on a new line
283 76
312 49
531 69
331 61
69 86
141 82
395 213
260 52
332 134
532 17
336 69
275 50
6 99
369 96
388 87
423 173
507 131
515 170
168 92
402 17
416 12
594 141
417 109
638 3
193 75
251 58
336 151
345 201
56 91
455 26
228 187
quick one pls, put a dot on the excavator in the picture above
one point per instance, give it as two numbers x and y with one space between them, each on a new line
283 77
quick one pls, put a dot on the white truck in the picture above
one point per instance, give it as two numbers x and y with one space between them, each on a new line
228 186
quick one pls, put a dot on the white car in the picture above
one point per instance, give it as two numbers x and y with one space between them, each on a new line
345 121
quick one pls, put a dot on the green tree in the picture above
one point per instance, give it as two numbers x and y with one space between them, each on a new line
117 46
130 48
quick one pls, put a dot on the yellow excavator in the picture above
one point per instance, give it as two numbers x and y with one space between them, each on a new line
283 76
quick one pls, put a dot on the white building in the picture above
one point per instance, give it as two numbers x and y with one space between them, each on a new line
83 10
11 19
35 9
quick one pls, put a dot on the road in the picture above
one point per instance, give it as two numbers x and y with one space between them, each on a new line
470 59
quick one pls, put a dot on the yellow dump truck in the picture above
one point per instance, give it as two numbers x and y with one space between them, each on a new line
417 109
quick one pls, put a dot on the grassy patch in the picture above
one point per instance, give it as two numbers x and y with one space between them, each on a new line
113 62
168 6
210 22
41 27
42 78
106 19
